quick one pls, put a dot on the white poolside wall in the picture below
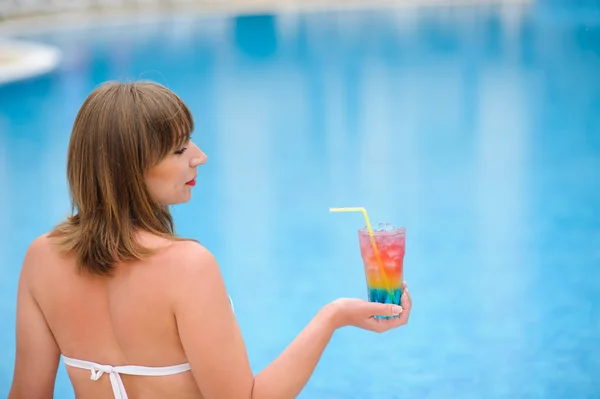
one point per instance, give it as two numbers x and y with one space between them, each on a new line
16 8
19 8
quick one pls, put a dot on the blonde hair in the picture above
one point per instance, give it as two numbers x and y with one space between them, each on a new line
120 132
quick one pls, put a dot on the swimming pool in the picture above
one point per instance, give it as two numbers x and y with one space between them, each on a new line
477 128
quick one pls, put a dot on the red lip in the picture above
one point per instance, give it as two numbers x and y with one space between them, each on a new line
191 182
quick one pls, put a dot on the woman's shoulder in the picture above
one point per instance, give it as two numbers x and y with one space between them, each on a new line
42 244
187 264
179 254
40 255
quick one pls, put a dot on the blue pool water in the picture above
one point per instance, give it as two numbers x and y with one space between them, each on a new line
476 128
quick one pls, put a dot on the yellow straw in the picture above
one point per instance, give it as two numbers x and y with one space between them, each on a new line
379 261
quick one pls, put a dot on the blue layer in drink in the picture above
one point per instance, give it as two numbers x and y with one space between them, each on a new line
383 296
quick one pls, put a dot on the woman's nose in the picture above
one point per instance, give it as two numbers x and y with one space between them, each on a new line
199 157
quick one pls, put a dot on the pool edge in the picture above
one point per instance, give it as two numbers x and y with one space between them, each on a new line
20 60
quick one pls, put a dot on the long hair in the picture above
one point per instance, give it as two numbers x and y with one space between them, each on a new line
120 132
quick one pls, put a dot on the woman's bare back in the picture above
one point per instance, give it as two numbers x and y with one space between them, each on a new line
125 319
130 157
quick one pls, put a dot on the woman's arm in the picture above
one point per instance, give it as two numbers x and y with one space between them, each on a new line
213 342
289 373
37 354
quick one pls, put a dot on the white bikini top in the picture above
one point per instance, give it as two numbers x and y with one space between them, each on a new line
114 371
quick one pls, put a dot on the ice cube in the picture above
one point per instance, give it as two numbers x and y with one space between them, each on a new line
384 226
395 251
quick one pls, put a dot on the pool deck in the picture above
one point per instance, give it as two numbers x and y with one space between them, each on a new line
21 59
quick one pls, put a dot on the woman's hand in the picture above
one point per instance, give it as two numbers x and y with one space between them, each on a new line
360 313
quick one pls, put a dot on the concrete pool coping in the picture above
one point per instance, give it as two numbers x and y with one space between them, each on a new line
23 59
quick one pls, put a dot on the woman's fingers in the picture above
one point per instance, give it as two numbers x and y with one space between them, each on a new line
380 309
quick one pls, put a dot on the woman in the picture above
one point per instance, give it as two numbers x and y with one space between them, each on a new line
112 285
